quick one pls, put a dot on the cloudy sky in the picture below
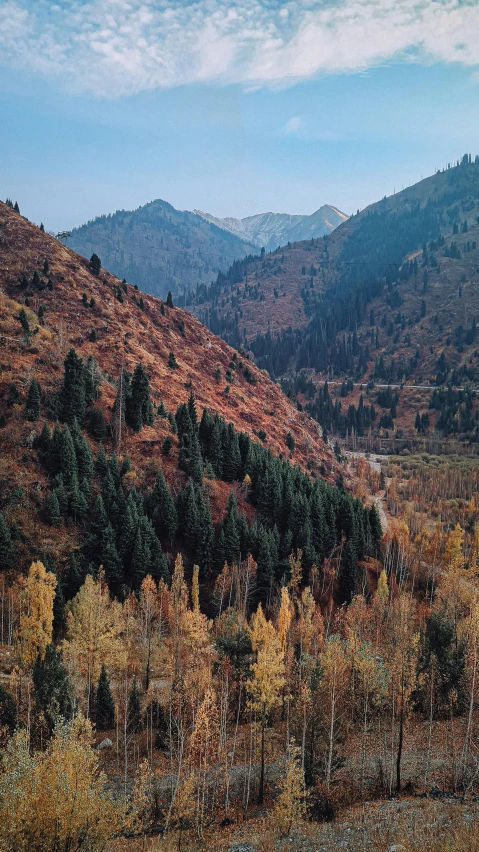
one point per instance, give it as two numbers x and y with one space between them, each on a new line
231 106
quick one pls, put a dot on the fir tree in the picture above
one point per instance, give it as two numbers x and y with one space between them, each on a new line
52 688
169 299
7 550
32 407
83 453
52 509
101 464
95 264
72 394
104 704
162 511
97 424
166 446
139 411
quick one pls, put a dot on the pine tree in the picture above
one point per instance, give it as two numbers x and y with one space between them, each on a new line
166 446
101 465
97 424
162 511
52 688
139 411
32 407
72 394
95 264
7 550
82 452
104 704
68 461
54 450
169 299
52 509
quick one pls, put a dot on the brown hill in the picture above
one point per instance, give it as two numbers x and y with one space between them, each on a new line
57 299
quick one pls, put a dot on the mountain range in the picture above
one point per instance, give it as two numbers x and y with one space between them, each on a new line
159 248
270 230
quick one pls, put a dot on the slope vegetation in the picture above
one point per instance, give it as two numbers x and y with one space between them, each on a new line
159 248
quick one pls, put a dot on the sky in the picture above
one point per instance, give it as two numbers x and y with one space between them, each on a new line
233 107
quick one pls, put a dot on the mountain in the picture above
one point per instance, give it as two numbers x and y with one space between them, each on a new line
70 331
159 248
391 296
270 230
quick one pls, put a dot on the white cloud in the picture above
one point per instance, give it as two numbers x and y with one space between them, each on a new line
119 47
293 125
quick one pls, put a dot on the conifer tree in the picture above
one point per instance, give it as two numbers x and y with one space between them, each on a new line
104 704
82 452
162 511
101 465
169 299
139 411
7 550
95 264
72 394
52 509
32 407
52 688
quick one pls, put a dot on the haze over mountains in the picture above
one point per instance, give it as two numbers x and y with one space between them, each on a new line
159 248
270 230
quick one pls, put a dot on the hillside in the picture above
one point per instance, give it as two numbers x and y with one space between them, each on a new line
108 324
159 248
391 296
270 230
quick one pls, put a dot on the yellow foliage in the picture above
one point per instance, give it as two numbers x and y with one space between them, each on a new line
284 618
290 806
267 679
37 592
57 799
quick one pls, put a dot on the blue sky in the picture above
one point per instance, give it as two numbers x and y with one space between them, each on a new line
230 106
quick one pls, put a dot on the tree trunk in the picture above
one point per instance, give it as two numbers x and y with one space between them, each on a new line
400 743
261 776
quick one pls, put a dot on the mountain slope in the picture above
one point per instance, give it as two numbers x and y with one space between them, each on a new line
390 296
66 306
270 230
159 248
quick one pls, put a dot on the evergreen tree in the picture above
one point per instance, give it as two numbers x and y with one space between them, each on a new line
52 688
82 452
54 451
68 461
72 394
8 710
169 299
166 446
104 704
347 574
97 424
7 549
162 511
101 465
139 411
52 509
95 264
32 407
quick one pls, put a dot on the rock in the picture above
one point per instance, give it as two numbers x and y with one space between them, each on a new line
104 744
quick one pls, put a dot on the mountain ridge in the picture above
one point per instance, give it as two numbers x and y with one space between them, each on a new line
270 230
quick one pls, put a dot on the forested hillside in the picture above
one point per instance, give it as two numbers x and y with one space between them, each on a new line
159 248
390 297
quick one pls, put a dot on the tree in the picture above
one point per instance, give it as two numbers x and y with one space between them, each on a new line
57 798
95 264
7 549
139 411
35 629
267 677
169 299
52 688
134 709
32 407
290 805
104 704
93 630
72 394
172 363
8 710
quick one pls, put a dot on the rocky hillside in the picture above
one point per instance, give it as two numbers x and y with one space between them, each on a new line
270 230
54 304
159 248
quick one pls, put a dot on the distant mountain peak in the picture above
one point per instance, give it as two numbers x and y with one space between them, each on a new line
275 229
